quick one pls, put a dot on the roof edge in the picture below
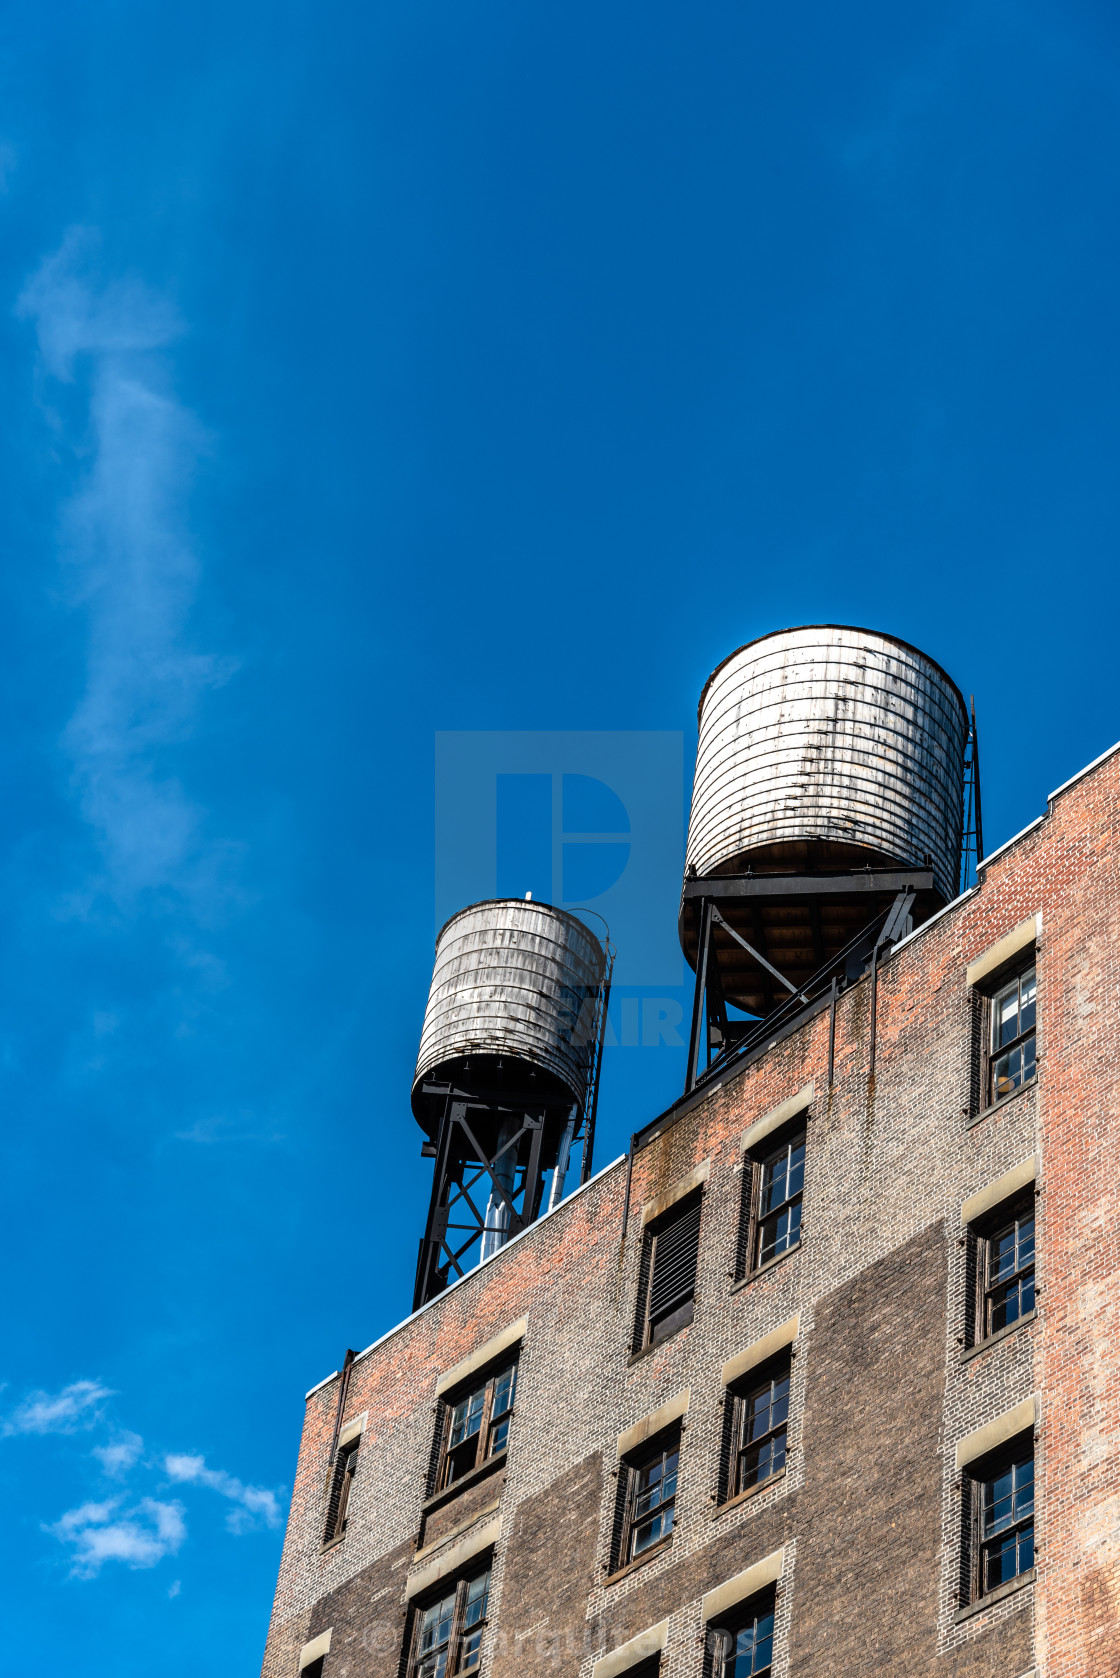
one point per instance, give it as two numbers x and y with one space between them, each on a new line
471 1274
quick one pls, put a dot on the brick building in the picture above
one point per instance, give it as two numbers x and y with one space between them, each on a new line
821 1379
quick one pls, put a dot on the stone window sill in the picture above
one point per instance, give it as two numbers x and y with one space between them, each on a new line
332 1544
1004 1101
633 1566
451 1492
1000 1595
751 1491
994 1339
765 1269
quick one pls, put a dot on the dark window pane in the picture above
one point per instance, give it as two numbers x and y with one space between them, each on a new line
780 1233
1007 1558
1011 1070
477 1592
498 1435
651 1531
1007 1510
503 1391
435 1632
1003 1254
655 1486
1005 1016
466 1418
760 1462
1026 1002
753 1649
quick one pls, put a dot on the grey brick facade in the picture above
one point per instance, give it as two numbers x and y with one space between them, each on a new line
884 1383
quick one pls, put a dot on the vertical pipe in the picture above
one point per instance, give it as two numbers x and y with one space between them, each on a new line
343 1389
556 1193
591 1103
976 785
496 1233
698 996
629 1180
832 1030
874 1004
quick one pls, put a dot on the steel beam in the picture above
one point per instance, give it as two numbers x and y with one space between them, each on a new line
810 885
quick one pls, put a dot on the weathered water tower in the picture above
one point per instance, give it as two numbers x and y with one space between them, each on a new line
827 815
507 1074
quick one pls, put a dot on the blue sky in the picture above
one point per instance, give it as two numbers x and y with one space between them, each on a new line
372 371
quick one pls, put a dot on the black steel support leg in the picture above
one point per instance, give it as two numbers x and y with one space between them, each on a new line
698 994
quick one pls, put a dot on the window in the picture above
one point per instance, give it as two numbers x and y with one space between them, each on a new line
759 1417
1007 1262
773 1191
745 1647
779 1207
1013 1018
338 1504
647 1499
477 1425
667 1284
654 1500
1003 1521
447 1634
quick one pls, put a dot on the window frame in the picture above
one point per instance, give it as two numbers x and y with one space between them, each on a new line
1007 1216
997 1052
749 1260
760 1605
982 1475
659 1449
342 1474
486 1384
459 1630
649 1332
738 1397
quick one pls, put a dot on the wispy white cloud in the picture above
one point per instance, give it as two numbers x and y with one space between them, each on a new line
139 1537
127 534
216 1130
257 1505
77 1406
120 1455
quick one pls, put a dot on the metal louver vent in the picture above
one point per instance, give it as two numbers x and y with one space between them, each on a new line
676 1246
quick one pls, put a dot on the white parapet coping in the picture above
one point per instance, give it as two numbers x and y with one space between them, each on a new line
471 1275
